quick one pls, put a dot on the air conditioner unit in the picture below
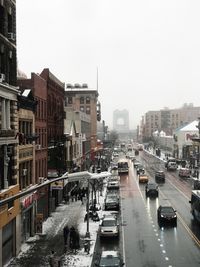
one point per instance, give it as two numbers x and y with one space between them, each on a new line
41 180
2 77
11 36
24 172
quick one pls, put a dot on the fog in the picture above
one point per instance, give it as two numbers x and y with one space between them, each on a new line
147 52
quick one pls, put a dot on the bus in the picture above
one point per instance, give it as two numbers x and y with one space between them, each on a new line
123 166
195 204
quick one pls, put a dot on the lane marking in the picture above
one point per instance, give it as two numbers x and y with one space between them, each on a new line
123 239
192 235
189 231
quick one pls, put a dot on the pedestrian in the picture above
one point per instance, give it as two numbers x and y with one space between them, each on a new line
72 238
52 259
65 234
77 241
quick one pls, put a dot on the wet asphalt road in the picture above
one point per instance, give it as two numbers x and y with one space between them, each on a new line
145 243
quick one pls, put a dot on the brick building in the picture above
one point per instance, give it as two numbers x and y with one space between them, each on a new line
9 213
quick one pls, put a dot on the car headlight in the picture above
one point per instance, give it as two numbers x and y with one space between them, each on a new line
162 216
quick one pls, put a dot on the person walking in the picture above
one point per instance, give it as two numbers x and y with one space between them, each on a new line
53 262
72 238
65 234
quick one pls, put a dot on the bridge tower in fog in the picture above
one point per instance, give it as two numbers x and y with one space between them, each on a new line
121 123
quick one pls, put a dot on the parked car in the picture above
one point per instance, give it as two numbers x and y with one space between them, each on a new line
109 226
196 184
160 177
114 166
113 185
114 178
167 214
151 190
110 258
184 172
143 178
112 202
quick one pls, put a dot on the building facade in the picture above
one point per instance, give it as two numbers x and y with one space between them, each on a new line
83 100
168 120
38 87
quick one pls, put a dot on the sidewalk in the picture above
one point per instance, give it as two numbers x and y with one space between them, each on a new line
37 250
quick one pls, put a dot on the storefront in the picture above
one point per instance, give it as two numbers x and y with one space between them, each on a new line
43 201
57 192
28 205
8 242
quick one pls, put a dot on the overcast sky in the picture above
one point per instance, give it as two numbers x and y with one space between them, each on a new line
147 51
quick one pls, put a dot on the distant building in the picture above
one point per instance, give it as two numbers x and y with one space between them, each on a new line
168 119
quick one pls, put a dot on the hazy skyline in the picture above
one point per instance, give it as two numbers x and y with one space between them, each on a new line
147 52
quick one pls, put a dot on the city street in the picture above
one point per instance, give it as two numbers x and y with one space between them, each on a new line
145 242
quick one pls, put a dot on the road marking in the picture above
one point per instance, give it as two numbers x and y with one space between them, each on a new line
149 213
193 236
178 189
123 240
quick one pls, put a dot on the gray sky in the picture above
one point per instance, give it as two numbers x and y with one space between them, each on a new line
147 51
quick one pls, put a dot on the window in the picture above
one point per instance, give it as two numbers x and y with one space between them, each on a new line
81 100
87 100
82 108
69 100
87 110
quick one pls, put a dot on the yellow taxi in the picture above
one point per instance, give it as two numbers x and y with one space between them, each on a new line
143 178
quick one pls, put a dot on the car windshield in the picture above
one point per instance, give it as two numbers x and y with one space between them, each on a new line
152 186
108 223
167 210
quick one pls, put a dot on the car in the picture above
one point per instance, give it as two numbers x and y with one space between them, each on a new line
95 207
114 166
113 185
136 163
140 169
111 202
114 178
109 226
143 178
171 164
136 152
110 258
184 172
151 190
196 184
166 214
132 158
160 177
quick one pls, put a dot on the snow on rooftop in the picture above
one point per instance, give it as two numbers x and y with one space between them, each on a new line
190 127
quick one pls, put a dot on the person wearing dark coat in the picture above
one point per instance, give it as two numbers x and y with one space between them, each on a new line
72 237
65 234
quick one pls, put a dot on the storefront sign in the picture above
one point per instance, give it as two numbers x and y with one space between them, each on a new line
27 201
57 185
